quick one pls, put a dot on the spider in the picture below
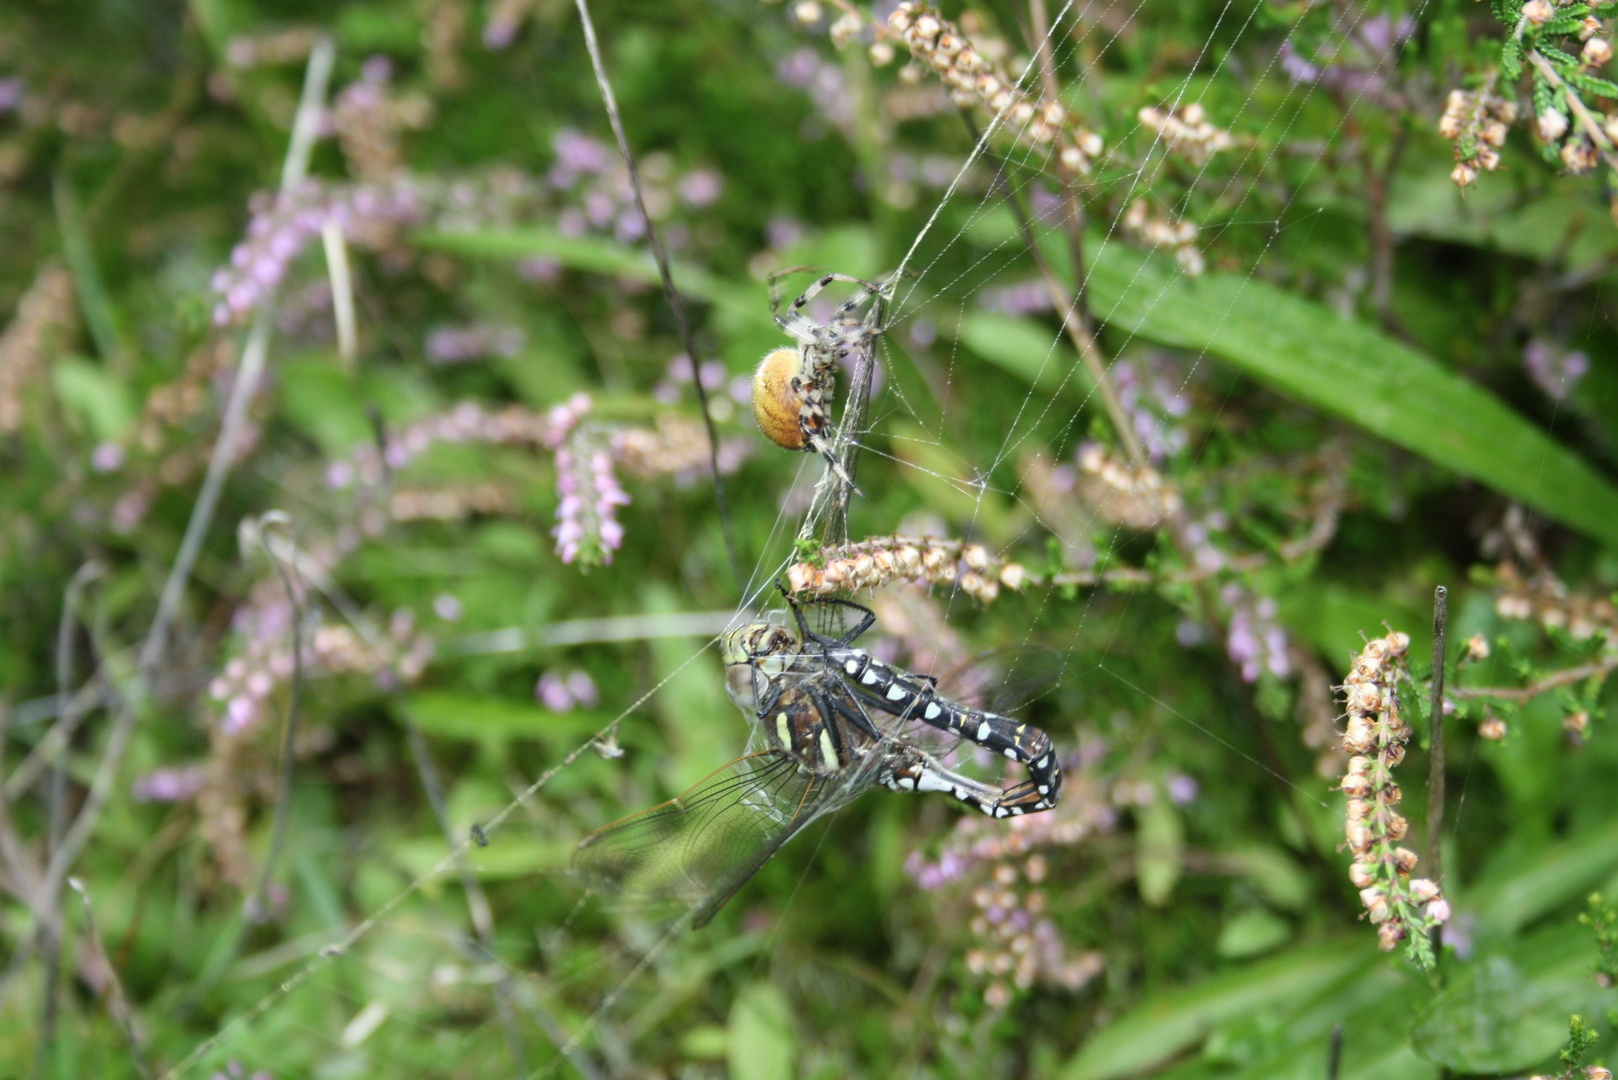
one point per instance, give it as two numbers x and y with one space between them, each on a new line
794 385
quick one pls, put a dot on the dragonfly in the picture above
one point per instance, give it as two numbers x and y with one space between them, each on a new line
830 722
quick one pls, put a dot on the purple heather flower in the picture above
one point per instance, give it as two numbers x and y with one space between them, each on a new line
583 689
1182 789
562 693
459 344
11 93
1295 66
107 457
1021 298
587 527
1382 35
282 224
539 270
1555 370
1254 641
377 69
448 606
629 226
798 68
701 187
827 86
501 30
170 784
784 232
576 155
551 692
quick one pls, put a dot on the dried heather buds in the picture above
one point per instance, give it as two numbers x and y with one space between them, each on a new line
871 563
1136 496
1401 908
1476 122
1188 134
1159 232
974 79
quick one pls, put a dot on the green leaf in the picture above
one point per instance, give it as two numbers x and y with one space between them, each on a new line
759 1043
707 1042
1306 351
317 399
479 718
588 253
1161 838
1252 932
1489 1020
1523 886
1167 1025
1275 874
89 393
1511 59
1026 349
1594 84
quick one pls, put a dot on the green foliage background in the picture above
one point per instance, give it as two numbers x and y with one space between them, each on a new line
1230 942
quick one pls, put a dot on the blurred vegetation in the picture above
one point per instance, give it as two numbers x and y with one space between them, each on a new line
1307 380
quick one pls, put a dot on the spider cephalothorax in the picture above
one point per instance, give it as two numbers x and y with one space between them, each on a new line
794 385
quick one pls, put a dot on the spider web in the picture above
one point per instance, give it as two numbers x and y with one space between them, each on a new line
413 960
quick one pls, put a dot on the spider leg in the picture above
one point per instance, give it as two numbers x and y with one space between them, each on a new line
869 292
823 448
820 283
772 279
802 329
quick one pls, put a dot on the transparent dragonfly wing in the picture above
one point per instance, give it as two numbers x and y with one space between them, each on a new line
699 848
1009 681
1006 681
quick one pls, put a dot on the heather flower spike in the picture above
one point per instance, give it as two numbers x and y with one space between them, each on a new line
1402 909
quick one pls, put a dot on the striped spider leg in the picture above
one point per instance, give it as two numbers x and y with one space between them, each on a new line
794 385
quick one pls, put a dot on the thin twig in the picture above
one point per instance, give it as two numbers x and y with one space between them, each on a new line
1566 677
676 301
1334 1051
1074 318
305 129
116 1002
1435 773
1592 130
1379 182
1074 216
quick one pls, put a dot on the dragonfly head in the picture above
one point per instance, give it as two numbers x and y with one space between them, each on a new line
743 648
756 641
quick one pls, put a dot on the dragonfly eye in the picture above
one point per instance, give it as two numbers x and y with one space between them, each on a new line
739 684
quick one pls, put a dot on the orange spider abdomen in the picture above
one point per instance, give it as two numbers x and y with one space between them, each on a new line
777 404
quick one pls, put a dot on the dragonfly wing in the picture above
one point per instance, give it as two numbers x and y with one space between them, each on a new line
1006 680
699 848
